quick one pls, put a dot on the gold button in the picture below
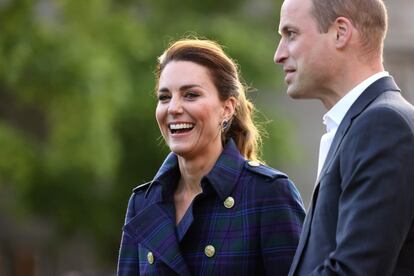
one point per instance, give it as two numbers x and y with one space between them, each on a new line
150 258
229 202
209 251
253 163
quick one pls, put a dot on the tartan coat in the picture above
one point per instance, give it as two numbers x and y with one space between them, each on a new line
246 221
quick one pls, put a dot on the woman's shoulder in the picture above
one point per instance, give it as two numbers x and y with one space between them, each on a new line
270 182
263 171
145 193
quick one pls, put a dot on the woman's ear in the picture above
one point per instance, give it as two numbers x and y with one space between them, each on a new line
229 107
344 30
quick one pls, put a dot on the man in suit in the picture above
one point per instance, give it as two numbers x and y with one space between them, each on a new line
360 220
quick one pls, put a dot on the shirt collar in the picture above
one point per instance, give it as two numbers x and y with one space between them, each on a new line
223 176
333 118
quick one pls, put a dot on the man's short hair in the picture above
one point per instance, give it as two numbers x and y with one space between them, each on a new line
369 17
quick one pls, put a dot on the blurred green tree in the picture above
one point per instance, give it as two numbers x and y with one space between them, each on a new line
77 127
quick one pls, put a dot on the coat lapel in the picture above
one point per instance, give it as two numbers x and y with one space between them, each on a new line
367 97
154 227
155 230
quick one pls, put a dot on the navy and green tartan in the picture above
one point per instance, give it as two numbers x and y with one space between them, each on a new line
257 236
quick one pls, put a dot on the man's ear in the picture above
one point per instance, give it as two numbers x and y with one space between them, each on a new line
344 29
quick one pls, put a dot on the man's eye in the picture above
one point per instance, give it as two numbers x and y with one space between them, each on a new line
290 34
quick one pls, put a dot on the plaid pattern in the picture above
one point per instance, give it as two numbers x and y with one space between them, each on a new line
257 236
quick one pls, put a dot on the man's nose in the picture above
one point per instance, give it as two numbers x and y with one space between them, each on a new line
281 53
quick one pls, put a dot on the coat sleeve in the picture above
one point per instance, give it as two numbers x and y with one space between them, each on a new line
128 262
281 222
376 206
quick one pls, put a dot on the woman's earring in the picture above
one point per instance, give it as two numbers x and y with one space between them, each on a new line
224 125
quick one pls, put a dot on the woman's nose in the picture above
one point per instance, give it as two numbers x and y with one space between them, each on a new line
175 106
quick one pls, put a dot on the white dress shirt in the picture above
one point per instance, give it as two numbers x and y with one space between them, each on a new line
333 118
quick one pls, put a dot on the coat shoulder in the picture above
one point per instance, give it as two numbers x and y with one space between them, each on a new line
263 170
142 187
278 190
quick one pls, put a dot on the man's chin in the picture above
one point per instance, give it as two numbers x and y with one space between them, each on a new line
294 93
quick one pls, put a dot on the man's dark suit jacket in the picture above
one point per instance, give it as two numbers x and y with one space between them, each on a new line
360 220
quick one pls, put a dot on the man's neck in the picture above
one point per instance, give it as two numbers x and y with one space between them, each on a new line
347 80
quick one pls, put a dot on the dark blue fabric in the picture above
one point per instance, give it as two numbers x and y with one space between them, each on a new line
360 221
257 236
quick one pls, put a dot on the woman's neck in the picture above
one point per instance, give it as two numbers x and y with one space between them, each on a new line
192 170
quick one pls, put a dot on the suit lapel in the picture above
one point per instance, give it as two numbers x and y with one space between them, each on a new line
155 230
367 97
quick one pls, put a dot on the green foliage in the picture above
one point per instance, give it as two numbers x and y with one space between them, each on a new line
77 127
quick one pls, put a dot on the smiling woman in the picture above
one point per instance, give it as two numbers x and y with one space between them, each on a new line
222 72
189 111
212 208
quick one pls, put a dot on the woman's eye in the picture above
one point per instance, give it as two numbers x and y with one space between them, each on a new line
163 98
191 95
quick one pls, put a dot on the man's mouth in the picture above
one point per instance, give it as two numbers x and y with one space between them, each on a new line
180 128
288 71
288 74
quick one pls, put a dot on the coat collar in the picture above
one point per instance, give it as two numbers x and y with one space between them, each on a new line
223 176
225 173
153 226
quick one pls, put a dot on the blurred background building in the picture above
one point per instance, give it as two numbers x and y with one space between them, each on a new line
77 127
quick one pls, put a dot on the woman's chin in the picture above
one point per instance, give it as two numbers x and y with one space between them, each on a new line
180 149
